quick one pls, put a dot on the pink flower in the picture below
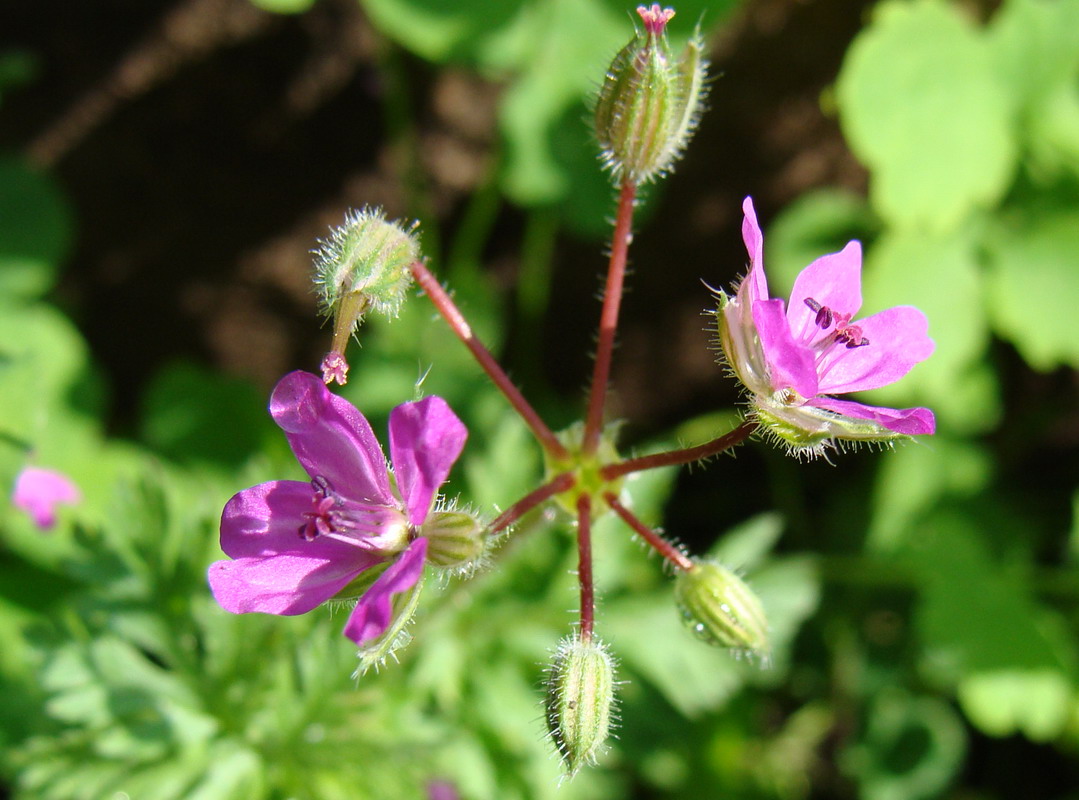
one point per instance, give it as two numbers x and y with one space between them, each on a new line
792 358
295 545
38 492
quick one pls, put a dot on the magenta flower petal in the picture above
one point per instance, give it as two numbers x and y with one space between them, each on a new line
426 437
283 583
909 421
833 281
330 438
898 339
39 491
756 284
790 364
374 613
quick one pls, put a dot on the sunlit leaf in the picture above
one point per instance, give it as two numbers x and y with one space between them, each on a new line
921 106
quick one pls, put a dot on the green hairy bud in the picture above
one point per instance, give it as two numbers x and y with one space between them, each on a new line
455 539
721 609
650 102
364 266
580 699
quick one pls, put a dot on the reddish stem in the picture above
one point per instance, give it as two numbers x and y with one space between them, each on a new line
608 321
661 545
556 485
457 322
686 456
584 566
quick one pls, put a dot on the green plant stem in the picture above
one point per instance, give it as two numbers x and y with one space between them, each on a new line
608 321
688 455
460 326
658 543
584 566
556 485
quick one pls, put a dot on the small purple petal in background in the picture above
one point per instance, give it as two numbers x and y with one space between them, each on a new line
38 491
442 790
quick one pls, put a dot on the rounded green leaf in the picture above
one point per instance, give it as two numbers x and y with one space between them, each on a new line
1032 284
921 106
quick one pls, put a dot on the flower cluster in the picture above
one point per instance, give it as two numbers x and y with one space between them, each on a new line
362 531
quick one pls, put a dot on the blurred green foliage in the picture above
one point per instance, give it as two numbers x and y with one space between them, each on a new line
937 608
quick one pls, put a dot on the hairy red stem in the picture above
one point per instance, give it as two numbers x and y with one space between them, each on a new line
661 545
584 566
686 456
556 485
456 321
608 321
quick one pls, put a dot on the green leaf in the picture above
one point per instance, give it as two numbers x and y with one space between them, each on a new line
917 475
1032 285
284 6
441 31
35 230
911 748
191 414
1034 702
745 546
973 616
921 106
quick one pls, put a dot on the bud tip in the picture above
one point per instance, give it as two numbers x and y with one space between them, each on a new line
655 18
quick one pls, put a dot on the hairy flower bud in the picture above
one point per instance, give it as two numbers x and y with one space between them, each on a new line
363 266
455 539
580 699
650 102
720 608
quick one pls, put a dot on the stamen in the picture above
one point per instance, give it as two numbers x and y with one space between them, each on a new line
851 336
824 314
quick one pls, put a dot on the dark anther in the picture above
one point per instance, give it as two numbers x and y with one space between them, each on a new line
851 336
824 314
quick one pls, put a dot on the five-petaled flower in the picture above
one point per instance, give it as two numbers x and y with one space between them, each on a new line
792 358
38 491
295 545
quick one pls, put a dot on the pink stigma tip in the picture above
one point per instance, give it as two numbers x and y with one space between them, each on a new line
334 368
655 18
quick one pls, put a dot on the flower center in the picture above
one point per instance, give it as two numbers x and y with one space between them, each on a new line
374 527
845 333
828 350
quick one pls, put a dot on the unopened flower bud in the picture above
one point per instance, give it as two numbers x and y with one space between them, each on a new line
455 539
364 266
580 699
650 102
720 608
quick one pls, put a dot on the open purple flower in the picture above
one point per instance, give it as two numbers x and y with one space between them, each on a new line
295 545
793 357
39 491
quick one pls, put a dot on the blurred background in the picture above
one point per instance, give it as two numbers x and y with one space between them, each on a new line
166 170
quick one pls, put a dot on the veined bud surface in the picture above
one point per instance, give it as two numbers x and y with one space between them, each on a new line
721 609
650 101
580 700
455 539
365 265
